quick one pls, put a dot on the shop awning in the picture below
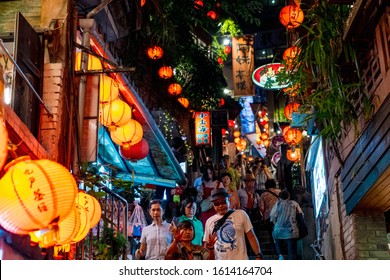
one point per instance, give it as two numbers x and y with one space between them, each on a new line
160 167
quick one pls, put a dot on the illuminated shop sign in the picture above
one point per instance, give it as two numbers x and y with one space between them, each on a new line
266 76
202 128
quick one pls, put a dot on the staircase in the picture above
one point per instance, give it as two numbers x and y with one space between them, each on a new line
266 244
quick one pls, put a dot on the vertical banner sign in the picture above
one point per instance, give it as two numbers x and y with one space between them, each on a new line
202 128
243 65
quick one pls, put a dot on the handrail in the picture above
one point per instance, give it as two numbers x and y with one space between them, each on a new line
317 250
25 78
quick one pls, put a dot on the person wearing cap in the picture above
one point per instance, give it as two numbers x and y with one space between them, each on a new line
226 183
229 237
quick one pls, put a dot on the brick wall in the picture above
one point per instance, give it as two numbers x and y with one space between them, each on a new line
370 235
50 132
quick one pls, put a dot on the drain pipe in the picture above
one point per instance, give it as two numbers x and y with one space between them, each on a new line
87 25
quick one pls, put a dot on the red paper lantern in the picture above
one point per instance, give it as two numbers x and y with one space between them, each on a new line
135 152
184 101
227 49
155 52
220 60
198 4
231 123
294 154
291 108
290 54
211 14
293 136
291 16
175 89
223 131
221 102
165 72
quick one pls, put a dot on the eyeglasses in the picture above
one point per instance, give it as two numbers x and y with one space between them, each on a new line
219 203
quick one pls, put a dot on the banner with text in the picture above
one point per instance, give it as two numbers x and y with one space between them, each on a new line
243 65
202 128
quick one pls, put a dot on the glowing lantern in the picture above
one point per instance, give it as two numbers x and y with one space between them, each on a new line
128 135
67 230
35 194
165 72
198 4
290 54
291 16
223 131
292 91
184 101
155 52
236 140
3 143
291 108
263 121
94 63
221 102
84 224
143 2
294 154
231 123
264 136
212 15
175 89
285 129
220 60
91 206
135 152
227 49
266 143
115 114
109 89
236 133
242 143
259 141
293 136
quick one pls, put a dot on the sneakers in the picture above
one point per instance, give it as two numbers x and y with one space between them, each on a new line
281 257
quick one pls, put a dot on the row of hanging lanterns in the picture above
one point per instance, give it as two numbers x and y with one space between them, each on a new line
166 72
116 114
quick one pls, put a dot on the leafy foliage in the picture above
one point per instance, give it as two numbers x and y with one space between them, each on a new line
112 245
317 69
173 25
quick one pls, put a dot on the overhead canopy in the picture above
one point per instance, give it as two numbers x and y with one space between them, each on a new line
160 167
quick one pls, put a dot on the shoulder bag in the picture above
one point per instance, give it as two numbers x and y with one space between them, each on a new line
303 231
221 221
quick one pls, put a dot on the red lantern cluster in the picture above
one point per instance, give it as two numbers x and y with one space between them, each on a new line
135 152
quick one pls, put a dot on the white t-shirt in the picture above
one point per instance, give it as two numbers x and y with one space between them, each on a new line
231 236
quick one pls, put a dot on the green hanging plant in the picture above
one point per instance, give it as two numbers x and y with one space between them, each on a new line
318 71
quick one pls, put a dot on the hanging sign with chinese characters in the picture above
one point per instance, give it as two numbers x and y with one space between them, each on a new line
266 76
243 65
202 128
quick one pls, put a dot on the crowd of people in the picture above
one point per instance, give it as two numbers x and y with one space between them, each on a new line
217 216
